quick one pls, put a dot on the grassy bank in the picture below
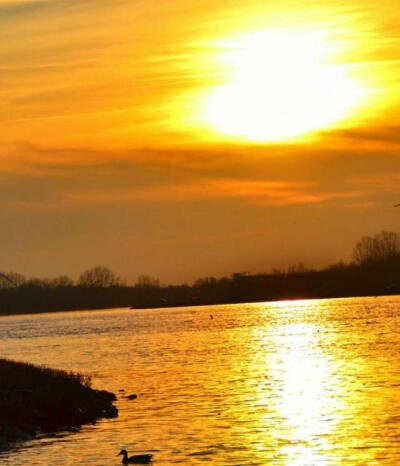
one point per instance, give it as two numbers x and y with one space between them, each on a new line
36 399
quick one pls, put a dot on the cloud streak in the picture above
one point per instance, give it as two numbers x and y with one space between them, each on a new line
266 193
99 159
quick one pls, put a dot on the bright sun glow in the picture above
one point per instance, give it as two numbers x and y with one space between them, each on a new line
281 86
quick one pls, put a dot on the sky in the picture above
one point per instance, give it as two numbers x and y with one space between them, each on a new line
185 138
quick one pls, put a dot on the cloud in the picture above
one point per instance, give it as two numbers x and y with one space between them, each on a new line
375 182
387 135
18 7
267 193
27 7
33 177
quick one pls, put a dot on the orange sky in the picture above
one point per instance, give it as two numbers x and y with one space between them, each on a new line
183 139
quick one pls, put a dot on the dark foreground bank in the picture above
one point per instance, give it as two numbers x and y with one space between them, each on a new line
35 400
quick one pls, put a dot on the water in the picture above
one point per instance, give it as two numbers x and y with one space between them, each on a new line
290 383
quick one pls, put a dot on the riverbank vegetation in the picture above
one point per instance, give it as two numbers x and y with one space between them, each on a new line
36 400
375 270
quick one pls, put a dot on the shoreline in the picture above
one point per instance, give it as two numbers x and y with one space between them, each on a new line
254 301
36 401
199 304
336 281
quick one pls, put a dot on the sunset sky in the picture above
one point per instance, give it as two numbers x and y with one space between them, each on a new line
189 138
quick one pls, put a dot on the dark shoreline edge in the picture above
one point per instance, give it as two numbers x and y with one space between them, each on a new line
36 400
205 303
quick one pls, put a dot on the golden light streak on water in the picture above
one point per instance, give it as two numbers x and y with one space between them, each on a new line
295 383
306 405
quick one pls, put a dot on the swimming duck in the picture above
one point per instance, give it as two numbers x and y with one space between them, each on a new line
135 459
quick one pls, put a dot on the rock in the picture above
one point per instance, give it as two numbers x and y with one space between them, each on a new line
107 396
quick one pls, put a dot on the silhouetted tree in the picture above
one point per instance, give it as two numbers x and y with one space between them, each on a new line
17 278
382 247
62 280
205 282
98 277
11 280
337 266
147 281
297 268
37 282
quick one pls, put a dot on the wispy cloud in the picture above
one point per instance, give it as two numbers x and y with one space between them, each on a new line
388 135
247 191
89 89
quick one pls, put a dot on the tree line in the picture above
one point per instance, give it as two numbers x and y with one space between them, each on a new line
375 269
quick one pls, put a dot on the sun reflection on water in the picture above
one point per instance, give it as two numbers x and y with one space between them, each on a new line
307 406
295 383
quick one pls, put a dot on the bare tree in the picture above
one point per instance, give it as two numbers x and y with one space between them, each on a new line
145 281
98 277
381 247
297 268
11 280
61 281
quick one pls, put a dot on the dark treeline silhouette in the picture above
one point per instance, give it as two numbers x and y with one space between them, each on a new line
374 271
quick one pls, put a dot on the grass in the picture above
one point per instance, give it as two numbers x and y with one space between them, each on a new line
36 399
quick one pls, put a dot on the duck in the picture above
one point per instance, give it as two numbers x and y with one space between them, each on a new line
135 459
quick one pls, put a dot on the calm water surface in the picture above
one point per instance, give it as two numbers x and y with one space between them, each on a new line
289 383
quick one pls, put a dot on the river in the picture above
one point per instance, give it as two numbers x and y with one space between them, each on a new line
312 382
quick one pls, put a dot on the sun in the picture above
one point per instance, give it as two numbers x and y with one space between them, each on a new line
281 85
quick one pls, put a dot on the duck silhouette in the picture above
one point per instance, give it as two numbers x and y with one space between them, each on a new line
135 459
